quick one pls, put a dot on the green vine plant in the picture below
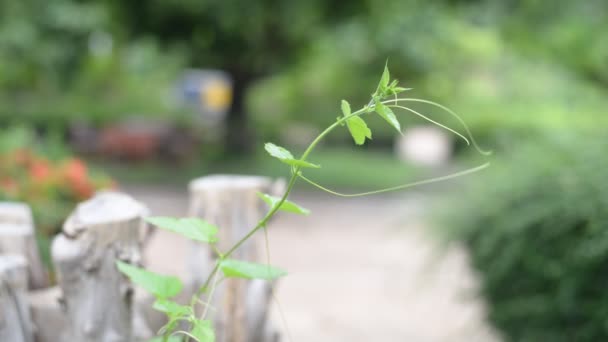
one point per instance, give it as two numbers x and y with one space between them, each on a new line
195 314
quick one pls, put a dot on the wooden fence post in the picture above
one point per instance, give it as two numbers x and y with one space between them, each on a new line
17 236
231 203
96 297
48 316
15 319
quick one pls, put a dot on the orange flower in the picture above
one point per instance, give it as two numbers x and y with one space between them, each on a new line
9 186
75 170
39 170
82 188
76 175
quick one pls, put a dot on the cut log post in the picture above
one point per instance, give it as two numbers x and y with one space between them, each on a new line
96 297
15 212
424 145
15 320
232 204
47 314
17 236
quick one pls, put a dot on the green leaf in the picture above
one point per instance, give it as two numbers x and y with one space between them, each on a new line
286 157
171 308
345 108
175 312
278 151
285 206
203 331
159 285
171 339
398 90
385 77
241 269
302 163
192 228
387 114
358 129
356 125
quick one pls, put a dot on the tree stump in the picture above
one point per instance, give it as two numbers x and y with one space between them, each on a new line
15 320
15 212
17 236
47 314
424 145
96 297
232 204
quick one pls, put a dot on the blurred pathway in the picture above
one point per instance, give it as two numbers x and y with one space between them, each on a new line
360 270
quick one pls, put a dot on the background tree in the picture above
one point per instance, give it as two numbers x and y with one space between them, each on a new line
246 39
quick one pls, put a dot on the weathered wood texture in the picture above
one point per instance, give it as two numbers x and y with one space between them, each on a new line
17 236
47 314
96 297
231 203
15 320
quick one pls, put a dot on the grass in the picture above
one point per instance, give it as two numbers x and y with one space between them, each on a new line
342 168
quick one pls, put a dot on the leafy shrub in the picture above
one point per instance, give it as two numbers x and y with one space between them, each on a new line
536 226
478 57
48 179
68 63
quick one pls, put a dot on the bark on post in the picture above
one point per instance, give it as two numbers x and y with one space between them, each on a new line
48 317
231 203
17 236
97 298
15 320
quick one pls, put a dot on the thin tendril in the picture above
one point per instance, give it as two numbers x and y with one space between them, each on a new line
204 303
211 292
267 245
398 187
185 333
451 112
282 314
274 298
433 121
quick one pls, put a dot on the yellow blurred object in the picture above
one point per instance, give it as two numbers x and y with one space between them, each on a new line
216 96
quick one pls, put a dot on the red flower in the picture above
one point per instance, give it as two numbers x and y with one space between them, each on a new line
39 170
9 186
83 189
75 170
76 174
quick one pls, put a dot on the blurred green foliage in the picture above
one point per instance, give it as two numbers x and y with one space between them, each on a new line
248 40
336 163
512 69
63 64
518 71
535 226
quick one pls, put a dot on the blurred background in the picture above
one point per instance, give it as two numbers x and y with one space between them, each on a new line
148 95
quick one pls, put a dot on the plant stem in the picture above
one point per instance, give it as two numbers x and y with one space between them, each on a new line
203 288
269 215
213 286
275 208
292 181
314 143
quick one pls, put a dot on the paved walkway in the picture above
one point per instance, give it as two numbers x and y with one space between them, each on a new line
360 270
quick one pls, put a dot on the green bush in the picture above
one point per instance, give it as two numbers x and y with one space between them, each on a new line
68 64
536 227
476 57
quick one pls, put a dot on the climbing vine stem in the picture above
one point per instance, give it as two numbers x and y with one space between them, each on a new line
382 102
